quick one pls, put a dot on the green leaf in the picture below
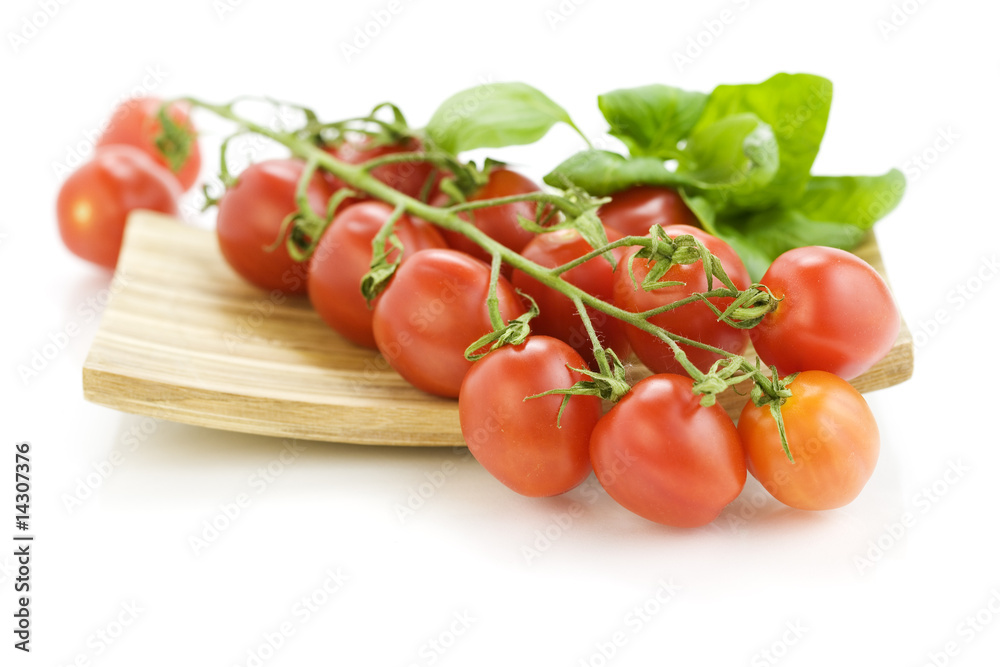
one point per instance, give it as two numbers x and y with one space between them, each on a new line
651 120
761 237
834 211
733 160
602 172
855 200
494 115
797 107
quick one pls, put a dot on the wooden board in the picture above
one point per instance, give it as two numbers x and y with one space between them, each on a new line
185 339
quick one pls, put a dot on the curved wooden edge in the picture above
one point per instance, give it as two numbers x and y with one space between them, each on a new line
187 340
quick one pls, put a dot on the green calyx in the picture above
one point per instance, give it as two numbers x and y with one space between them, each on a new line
174 140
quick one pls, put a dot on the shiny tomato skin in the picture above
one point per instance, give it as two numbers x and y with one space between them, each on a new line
407 177
831 433
558 317
250 216
433 310
695 320
94 202
136 123
518 441
498 222
634 210
665 457
837 314
343 257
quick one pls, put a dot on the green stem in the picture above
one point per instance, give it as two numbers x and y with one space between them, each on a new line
567 207
357 178
438 160
600 356
492 300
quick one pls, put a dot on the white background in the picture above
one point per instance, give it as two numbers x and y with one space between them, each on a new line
455 583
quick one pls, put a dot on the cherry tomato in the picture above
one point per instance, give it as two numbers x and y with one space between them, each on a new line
837 314
831 433
695 321
95 200
433 310
409 178
251 213
136 123
664 456
558 316
519 441
497 222
343 257
634 210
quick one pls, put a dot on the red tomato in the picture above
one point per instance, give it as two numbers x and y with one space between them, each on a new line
433 310
664 456
635 210
558 316
343 257
518 440
136 123
95 200
836 314
250 216
695 321
498 222
831 433
407 177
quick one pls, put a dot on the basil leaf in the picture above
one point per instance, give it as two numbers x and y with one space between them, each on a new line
602 172
797 107
651 120
860 201
761 237
494 115
734 159
834 211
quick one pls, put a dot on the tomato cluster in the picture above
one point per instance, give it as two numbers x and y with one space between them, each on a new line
129 171
531 411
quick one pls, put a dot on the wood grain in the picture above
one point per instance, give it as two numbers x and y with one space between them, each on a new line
185 339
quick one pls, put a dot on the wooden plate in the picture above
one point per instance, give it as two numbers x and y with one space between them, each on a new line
185 339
